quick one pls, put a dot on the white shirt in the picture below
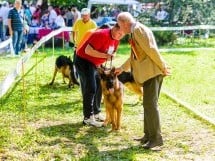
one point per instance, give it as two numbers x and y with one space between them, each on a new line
52 16
4 11
60 21
32 9
161 15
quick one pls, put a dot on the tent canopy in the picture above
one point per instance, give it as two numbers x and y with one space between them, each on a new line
122 2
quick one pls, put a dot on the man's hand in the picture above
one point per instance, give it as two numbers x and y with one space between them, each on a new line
118 71
166 71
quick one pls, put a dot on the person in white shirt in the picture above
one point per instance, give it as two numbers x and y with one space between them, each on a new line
52 15
161 14
32 8
4 10
60 22
76 13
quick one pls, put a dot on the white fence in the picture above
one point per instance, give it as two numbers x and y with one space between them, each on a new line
10 78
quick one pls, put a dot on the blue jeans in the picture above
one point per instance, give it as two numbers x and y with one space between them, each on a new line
1 31
17 40
90 86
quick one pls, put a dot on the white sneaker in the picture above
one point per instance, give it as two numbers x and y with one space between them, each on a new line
92 121
99 117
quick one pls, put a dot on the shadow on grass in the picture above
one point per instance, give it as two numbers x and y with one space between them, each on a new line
89 140
62 108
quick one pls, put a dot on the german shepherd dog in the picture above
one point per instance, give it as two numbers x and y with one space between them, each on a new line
112 90
128 80
65 65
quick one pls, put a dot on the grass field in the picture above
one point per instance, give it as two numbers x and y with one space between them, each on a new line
45 123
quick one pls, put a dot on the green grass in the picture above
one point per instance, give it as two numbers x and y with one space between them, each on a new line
182 42
47 123
192 79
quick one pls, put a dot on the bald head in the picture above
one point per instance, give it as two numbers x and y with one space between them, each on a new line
125 21
125 17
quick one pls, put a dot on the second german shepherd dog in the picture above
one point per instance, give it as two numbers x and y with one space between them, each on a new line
65 65
128 80
112 90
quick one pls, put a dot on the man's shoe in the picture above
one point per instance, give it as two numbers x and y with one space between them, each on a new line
152 144
92 121
99 117
143 139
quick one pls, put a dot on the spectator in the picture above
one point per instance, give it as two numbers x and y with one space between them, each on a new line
97 49
36 14
44 22
16 25
52 15
76 14
28 15
82 25
1 25
69 17
4 11
32 8
161 15
60 22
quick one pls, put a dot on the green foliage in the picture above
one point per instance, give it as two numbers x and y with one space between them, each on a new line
164 37
67 3
183 12
195 12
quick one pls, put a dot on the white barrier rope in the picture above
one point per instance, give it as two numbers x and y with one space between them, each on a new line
6 43
10 78
198 27
186 49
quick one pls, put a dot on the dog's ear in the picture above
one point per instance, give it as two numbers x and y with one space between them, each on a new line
101 73
102 67
100 70
113 70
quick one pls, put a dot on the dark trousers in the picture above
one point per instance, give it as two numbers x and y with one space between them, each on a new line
151 90
90 86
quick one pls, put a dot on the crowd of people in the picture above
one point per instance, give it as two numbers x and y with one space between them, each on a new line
26 17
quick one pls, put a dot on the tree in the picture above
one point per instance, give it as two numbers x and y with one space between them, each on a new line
79 3
195 12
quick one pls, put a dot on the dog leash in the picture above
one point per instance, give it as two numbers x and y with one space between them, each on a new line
110 64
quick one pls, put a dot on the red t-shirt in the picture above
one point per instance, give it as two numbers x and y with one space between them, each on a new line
102 41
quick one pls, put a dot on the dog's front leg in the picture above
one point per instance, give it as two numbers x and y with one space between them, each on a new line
107 112
119 114
55 72
70 82
113 118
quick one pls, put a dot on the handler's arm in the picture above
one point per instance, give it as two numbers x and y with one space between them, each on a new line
89 50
